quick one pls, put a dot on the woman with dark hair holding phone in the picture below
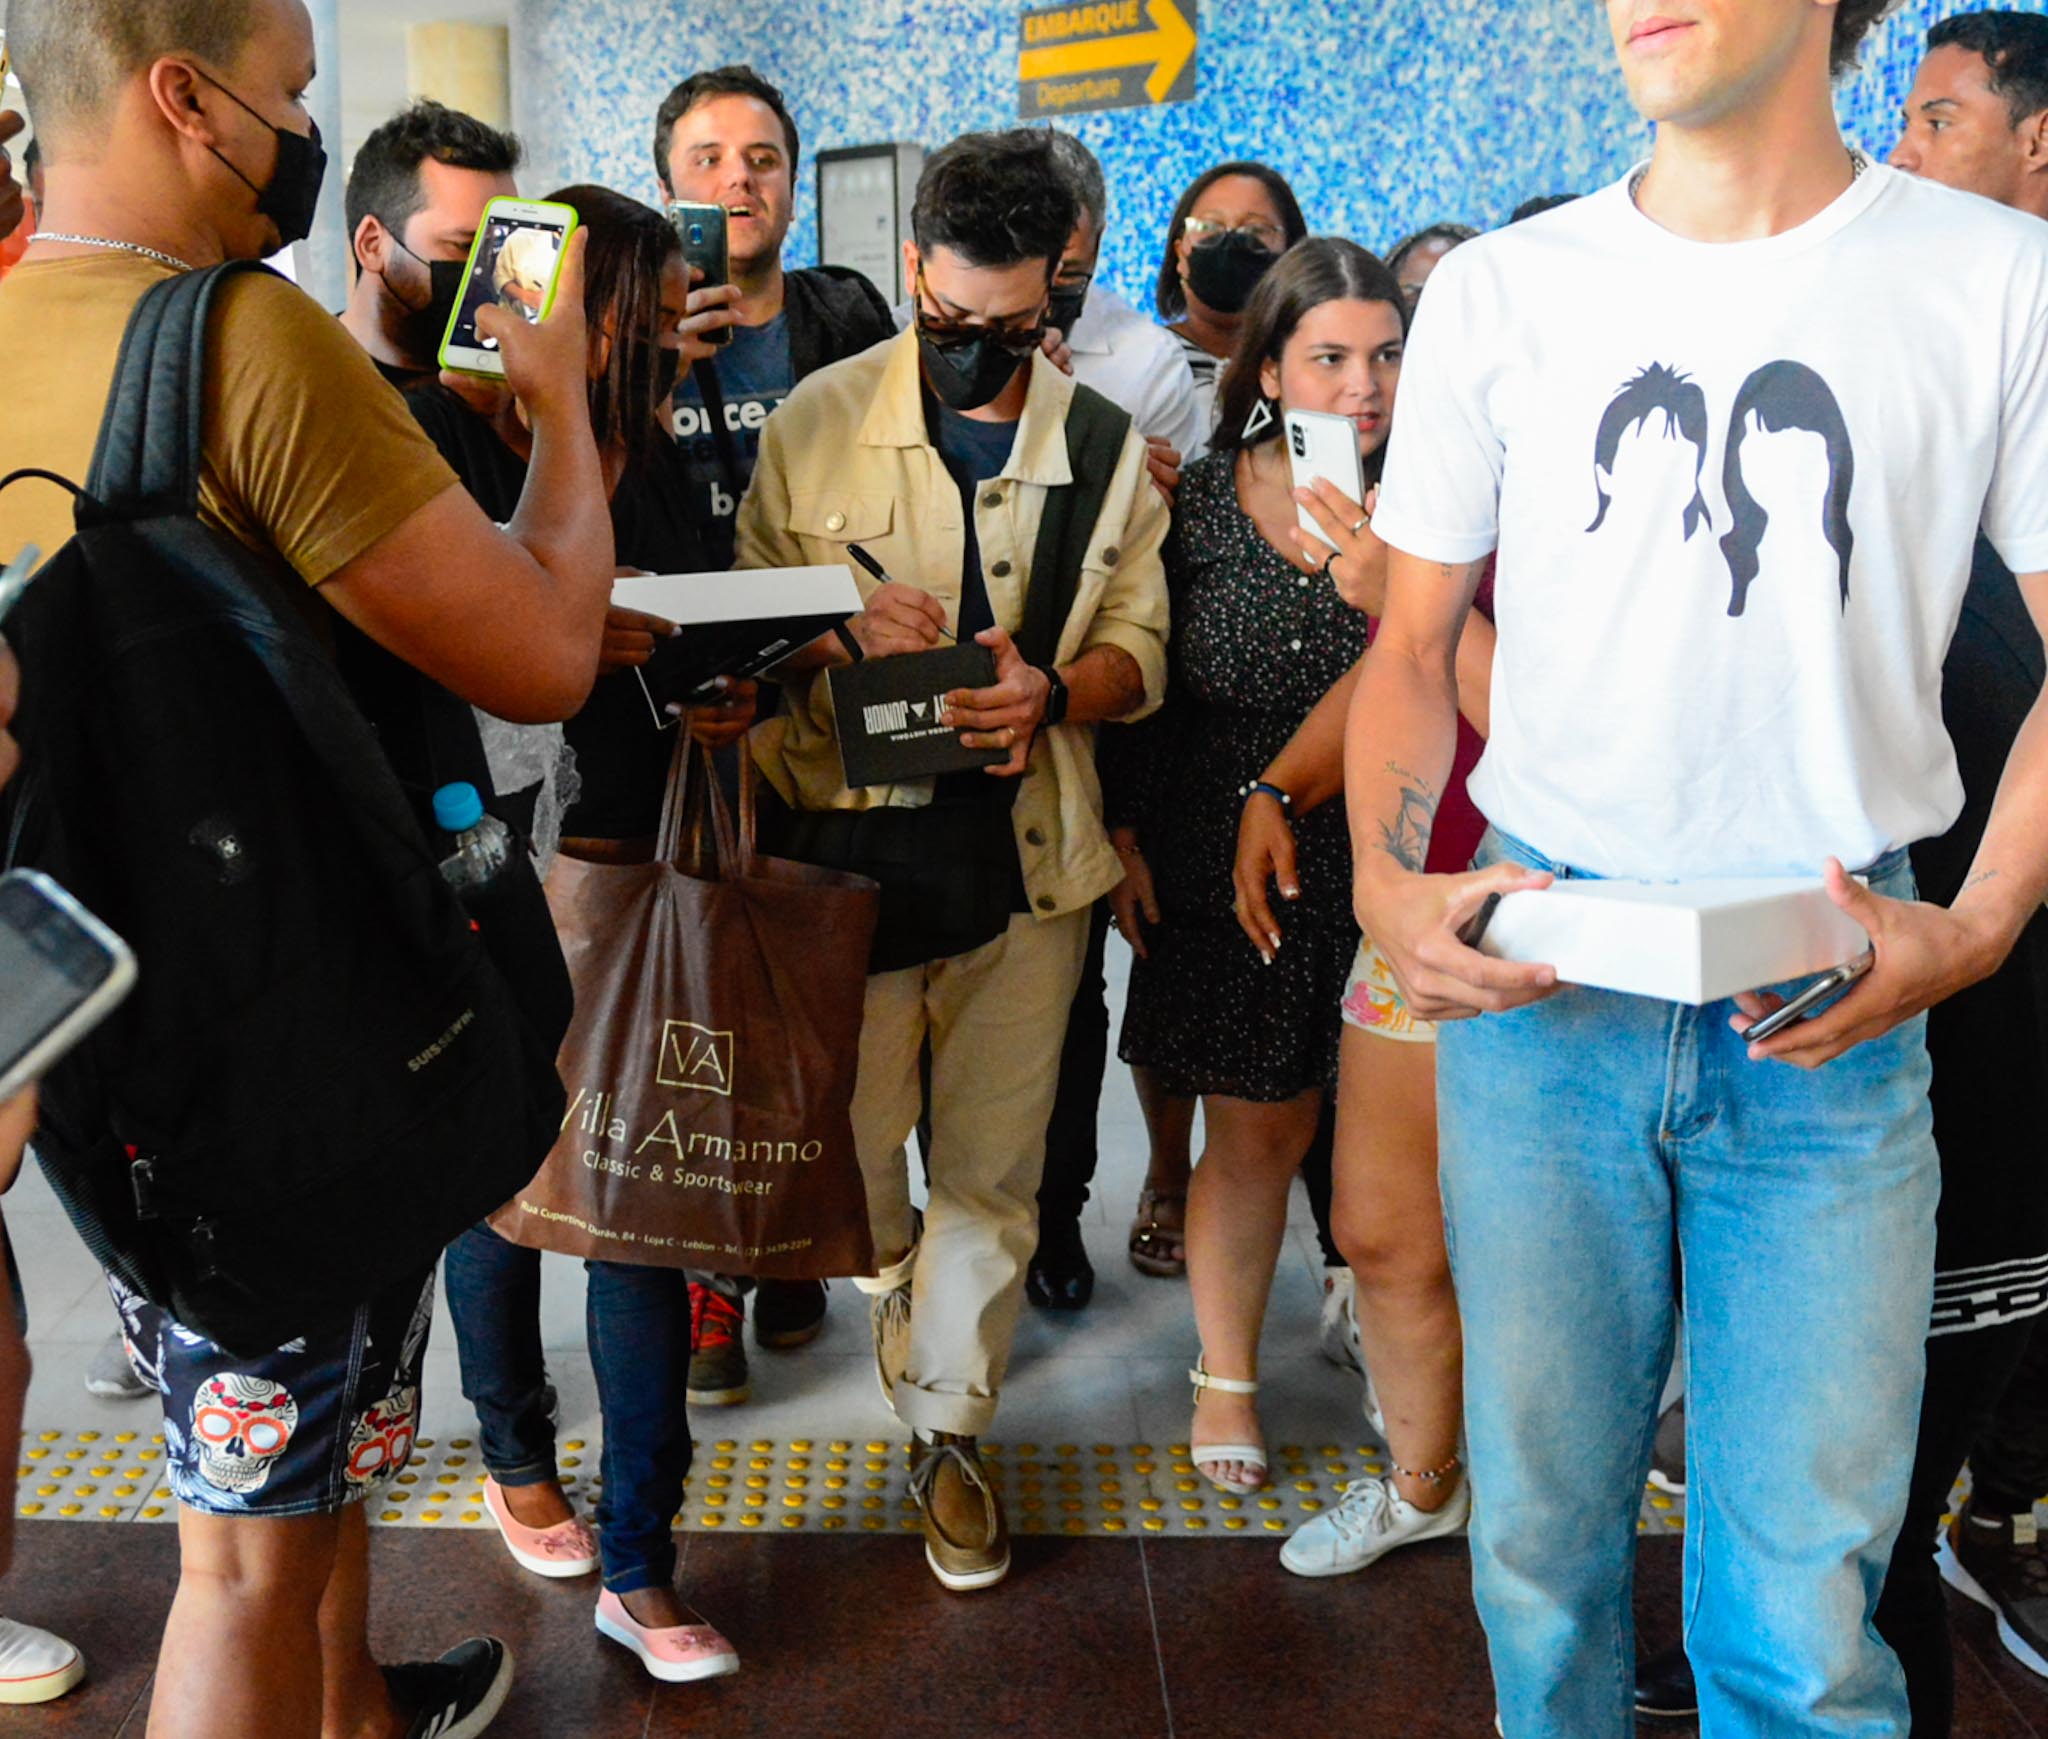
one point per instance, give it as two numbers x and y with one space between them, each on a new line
645 324
1230 226
1260 636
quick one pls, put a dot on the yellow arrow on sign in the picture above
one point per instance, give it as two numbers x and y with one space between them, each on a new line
1169 43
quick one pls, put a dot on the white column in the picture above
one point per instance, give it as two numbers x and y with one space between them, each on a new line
322 259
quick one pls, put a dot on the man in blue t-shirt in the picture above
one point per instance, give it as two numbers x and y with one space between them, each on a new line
725 138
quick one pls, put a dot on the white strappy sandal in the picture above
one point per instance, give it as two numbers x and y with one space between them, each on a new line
1251 1455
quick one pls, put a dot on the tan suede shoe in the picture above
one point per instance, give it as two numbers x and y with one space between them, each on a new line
966 1539
889 1317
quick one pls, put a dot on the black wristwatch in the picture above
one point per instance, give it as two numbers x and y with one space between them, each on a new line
1055 697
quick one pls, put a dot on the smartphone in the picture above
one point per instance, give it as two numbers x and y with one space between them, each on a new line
701 228
515 263
1808 1001
15 576
64 970
1321 445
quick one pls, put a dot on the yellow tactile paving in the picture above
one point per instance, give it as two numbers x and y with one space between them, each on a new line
821 1483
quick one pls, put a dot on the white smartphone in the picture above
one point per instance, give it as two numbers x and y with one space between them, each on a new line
64 970
15 576
1322 445
515 264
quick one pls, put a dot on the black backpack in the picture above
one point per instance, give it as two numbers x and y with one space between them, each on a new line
325 1071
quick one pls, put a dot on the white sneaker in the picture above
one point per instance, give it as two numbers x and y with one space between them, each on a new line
34 1665
112 1375
1341 1345
1372 1519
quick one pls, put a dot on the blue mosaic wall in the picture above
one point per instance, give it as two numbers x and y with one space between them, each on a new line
1384 114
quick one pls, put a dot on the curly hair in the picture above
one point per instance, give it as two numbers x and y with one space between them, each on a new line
1853 22
2014 49
996 199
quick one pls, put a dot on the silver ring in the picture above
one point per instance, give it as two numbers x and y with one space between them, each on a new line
1361 525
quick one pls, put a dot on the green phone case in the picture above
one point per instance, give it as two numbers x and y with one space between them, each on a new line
483 230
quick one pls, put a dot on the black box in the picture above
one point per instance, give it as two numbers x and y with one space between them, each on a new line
888 710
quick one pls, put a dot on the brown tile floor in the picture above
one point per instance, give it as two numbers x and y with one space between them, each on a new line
1092 1639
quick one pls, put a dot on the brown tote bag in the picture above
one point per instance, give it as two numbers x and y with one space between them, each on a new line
711 1060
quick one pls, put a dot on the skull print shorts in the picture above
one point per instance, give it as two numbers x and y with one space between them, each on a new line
319 1424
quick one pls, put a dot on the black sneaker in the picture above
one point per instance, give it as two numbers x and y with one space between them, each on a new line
788 1313
1665 1688
718 1357
1060 1276
1998 1562
457 1696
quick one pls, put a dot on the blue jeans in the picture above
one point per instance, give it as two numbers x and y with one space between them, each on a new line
638 1325
1591 1144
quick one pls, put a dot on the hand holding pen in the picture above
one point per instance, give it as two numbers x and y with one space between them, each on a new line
898 618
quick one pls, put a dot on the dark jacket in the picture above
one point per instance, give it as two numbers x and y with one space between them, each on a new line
834 313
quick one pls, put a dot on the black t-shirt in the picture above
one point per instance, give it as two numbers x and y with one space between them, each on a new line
1988 1043
622 738
405 379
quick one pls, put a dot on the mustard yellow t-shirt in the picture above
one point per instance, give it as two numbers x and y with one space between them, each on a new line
308 454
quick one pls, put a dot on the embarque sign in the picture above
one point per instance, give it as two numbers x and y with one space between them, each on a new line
1111 54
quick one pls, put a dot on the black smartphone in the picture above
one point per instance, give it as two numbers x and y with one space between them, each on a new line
701 229
1823 989
1477 925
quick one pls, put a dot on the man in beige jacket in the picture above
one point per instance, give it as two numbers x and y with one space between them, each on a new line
948 455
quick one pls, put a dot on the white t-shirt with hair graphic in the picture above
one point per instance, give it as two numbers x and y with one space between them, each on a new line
1735 489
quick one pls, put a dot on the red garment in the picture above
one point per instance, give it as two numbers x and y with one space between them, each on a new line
1459 825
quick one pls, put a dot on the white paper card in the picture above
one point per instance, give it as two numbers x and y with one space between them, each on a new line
742 595
1691 942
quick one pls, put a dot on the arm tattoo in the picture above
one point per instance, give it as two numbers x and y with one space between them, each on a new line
1977 881
1406 838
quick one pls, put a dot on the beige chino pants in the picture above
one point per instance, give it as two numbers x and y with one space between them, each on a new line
996 1019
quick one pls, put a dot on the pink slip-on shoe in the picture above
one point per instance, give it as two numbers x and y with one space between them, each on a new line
676 1655
566 1549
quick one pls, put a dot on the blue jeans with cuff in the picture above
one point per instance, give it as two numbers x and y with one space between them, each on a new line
1589 1143
637 1320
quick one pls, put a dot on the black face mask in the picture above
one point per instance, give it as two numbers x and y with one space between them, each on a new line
424 327
967 375
1067 302
1224 270
294 188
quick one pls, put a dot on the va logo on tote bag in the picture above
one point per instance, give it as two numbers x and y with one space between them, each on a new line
695 1057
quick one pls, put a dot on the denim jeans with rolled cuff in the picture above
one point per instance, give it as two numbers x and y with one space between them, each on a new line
1590 1142
637 1321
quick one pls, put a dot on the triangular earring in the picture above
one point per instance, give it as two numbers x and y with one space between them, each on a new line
1258 422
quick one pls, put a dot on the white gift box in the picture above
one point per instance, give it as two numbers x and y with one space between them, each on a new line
1691 942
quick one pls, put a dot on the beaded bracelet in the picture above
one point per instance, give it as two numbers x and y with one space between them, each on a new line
1271 790
1432 1475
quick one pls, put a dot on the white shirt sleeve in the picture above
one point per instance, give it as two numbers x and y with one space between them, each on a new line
1440 495
1166 397
2016 510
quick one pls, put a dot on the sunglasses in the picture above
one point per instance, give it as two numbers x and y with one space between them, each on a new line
958 334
